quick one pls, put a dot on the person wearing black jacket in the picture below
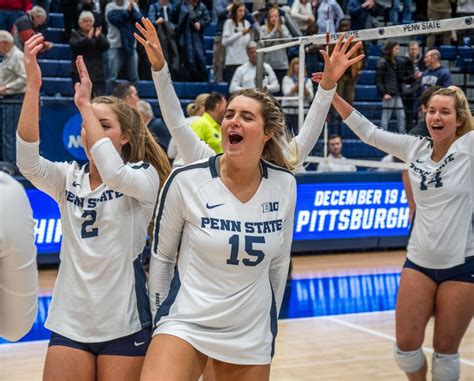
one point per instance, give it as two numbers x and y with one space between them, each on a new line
90 43
389 82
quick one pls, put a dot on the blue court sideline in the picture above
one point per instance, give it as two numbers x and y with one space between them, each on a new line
303 298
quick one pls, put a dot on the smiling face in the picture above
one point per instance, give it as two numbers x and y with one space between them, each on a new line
441 118
243 133
108 120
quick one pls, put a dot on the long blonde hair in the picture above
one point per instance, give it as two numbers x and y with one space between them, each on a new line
275 125
277 26
141 145
193 108
461 105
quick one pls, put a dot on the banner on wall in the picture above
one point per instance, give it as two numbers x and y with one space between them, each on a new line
324 211
351 210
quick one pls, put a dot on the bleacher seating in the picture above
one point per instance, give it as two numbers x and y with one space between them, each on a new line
367 77
56 68
57 86
367 93
371 62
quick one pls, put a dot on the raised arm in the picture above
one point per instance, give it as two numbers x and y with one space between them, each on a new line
334 67
397 145
48 176
138 181
190 147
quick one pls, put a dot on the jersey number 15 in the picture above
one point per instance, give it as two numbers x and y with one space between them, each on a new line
249 241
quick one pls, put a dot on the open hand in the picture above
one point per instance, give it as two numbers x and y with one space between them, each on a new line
151 43
33 72
336 64
97 32
83 89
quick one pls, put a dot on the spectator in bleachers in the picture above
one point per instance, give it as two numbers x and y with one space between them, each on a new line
275 29
159 14
290 88
154 124
406 12
435 73
90 43
45 4
222 9
335 152
12 10
437 10
29 24
335 16
194 111
235 38
363 12
121 16
412 77
346 84
91 6
245 75
191 18
127 92
389 79
12 89
302 12
208 126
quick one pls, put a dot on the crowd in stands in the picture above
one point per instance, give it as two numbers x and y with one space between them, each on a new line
103 33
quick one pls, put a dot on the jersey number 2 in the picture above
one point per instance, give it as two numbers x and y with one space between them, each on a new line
249 241
88 233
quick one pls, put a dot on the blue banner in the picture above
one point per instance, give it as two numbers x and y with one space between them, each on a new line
351 210
46 214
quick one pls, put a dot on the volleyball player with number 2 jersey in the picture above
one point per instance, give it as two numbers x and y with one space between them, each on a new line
99 314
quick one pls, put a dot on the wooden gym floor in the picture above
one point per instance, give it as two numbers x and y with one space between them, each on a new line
356 347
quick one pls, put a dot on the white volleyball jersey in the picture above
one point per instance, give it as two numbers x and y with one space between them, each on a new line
100 292
225 293
191 148
442 235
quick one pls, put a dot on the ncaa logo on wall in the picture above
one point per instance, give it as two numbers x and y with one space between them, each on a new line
72 137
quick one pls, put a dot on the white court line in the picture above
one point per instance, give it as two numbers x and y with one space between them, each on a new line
22 343
326 316
383 335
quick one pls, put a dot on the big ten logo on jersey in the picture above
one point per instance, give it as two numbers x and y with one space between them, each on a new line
270 207
72 137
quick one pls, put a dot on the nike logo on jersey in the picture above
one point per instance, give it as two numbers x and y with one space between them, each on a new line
138 344
212 206
75 184
420 161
